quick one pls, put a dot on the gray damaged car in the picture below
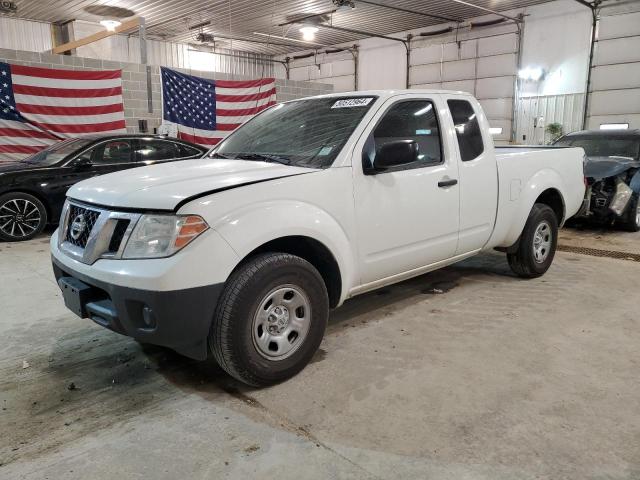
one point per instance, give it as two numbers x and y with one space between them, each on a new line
612 171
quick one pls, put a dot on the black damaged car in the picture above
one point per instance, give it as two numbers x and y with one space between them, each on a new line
612 169
32 190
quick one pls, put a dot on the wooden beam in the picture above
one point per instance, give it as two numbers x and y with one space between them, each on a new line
129 25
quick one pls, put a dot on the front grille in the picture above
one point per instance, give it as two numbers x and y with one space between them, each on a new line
81 222
90 233
118 235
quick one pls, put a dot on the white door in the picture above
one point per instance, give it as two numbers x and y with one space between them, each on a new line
407 216
478 173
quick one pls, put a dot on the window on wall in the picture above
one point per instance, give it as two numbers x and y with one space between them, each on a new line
412 120
467 129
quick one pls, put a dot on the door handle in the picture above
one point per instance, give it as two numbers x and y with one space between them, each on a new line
444 183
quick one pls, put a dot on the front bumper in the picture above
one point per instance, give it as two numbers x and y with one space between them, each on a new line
178 319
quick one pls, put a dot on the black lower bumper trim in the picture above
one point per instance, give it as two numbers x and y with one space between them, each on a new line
177 319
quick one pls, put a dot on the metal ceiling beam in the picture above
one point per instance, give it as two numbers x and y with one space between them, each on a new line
413 12
488 10
586 4
262 42
307 17
360 32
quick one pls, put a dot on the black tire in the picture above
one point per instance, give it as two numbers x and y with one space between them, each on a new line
22 217
232 339
632 219
523 261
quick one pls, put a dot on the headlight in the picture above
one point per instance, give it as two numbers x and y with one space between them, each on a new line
157 236
621 198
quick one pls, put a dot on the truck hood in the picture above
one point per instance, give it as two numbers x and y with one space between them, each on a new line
166 186
599 168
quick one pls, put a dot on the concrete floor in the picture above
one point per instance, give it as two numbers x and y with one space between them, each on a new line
467 373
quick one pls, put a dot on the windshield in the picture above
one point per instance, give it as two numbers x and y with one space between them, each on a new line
56 152
304 133
604 146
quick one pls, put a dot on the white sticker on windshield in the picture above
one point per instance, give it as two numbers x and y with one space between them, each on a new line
352 102
324 151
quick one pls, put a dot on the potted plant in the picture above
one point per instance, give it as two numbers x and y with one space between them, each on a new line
554 130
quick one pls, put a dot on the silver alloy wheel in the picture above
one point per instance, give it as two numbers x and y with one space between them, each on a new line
542 240
281 322
638 214
19 218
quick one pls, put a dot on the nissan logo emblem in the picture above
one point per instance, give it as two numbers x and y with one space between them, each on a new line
78 226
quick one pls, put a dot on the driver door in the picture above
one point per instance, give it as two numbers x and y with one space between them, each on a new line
406 217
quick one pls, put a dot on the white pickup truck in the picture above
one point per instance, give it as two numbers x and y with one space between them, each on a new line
240 255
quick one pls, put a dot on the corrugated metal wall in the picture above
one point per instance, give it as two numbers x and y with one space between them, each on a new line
535 113
18 34
484 65
338 69
615 89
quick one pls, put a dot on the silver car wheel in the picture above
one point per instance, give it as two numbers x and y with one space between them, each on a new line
19 218
542 240
281 322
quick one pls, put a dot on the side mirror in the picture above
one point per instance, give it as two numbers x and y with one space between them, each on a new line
395 154
82 162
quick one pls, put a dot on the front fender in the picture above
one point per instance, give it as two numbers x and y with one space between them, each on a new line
516 219
252 226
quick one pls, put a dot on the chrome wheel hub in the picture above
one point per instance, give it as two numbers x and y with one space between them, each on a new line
281 322
19 218
542 241
638 214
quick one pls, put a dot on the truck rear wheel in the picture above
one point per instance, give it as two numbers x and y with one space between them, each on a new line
537 244
270 319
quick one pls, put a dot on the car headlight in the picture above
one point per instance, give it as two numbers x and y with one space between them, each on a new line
157 236
621 198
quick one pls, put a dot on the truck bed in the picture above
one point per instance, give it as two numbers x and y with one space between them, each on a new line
521 166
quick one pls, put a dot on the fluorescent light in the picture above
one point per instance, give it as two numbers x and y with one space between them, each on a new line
110 25
289 39
424 110
614 126
495 130
533 74
309 32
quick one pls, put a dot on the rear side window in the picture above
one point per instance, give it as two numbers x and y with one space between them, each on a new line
186 151
467 129
154 150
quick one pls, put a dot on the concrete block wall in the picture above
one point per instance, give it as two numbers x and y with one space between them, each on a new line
134 82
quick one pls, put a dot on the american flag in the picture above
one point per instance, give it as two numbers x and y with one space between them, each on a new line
205 111
39 106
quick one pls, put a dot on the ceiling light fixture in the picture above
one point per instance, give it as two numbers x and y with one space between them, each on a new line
110 25
614 126
309 32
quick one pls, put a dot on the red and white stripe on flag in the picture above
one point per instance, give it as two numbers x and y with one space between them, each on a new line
45 105
236 102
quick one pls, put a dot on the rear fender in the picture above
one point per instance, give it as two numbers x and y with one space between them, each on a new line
543 180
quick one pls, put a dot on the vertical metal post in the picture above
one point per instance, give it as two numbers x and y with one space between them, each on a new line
407 45
517 83
144 61
354 52
594 39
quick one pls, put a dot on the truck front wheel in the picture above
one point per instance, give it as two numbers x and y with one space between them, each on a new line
537 245
270 319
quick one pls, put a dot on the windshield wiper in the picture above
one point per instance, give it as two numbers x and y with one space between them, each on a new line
219 155
264 157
